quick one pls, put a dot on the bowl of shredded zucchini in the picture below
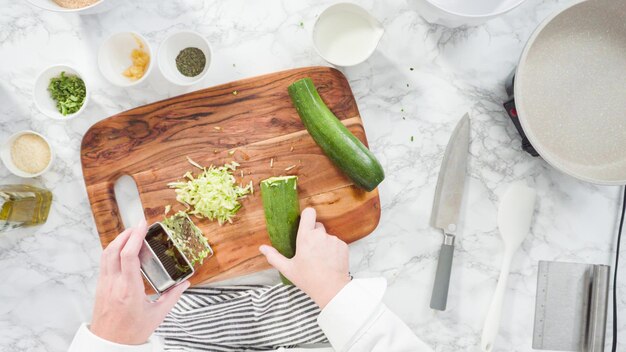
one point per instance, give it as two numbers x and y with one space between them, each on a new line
60 92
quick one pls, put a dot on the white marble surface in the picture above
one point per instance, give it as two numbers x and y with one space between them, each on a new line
48 274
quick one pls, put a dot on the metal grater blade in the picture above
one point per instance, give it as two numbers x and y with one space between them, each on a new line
168 262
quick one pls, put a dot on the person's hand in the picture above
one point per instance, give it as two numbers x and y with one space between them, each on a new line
320 267
123 312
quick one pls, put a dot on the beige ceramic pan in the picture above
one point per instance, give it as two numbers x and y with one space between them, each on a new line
570 91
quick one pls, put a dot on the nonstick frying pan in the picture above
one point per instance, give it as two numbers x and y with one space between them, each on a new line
570 91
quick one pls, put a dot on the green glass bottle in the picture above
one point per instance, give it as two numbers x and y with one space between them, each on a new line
23 205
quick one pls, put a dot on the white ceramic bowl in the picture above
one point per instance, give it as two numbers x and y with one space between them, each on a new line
50 5
7 160
114 57
456 13
43 99
345 34
171 47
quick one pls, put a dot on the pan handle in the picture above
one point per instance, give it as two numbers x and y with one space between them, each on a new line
509 106
511 110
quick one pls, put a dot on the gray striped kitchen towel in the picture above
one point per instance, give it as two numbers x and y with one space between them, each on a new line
241 318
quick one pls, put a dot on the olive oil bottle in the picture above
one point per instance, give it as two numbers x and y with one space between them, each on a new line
23 205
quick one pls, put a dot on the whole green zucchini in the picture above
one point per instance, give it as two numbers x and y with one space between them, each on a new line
282 214
337 142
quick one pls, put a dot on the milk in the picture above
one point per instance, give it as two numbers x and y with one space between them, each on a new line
346 35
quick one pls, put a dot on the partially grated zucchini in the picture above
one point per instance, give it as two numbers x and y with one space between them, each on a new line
282 214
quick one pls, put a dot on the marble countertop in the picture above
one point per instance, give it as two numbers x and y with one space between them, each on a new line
417 85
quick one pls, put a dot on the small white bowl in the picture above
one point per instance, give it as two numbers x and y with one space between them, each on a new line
7 160
456 13
43 99
172 46
345 34
114 57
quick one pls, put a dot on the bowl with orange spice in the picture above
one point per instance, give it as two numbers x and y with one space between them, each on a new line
125 59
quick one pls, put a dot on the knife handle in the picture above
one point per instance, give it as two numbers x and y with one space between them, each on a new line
439 299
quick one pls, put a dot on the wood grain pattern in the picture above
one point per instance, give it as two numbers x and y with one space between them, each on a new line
251 121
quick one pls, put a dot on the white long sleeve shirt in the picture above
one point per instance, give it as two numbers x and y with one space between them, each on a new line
355 320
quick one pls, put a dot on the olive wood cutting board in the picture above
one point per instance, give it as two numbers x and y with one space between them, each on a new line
251 121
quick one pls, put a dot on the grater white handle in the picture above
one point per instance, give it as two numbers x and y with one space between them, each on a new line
492 322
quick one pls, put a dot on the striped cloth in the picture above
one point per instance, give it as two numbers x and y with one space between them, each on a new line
241 318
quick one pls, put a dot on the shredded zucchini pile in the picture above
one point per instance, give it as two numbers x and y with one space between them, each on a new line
212 194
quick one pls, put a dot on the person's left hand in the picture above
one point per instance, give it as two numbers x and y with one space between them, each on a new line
123 313
320 267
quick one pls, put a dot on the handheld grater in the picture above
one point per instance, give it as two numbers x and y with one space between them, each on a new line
162 264
571 306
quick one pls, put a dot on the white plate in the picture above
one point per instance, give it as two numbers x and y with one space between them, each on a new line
7 160
171 47
43 99
455 13
50 5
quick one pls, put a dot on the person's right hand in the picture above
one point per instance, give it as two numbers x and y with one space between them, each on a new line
122 312
320 267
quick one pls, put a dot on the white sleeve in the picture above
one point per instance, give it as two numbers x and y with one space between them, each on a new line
357 320
85 340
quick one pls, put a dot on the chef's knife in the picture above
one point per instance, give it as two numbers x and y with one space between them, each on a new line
447 204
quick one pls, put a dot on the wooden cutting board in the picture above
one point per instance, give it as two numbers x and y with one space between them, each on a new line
251 121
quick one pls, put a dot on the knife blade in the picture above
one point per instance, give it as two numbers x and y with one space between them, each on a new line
447 206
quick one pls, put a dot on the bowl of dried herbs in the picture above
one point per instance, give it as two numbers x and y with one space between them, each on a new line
184 58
